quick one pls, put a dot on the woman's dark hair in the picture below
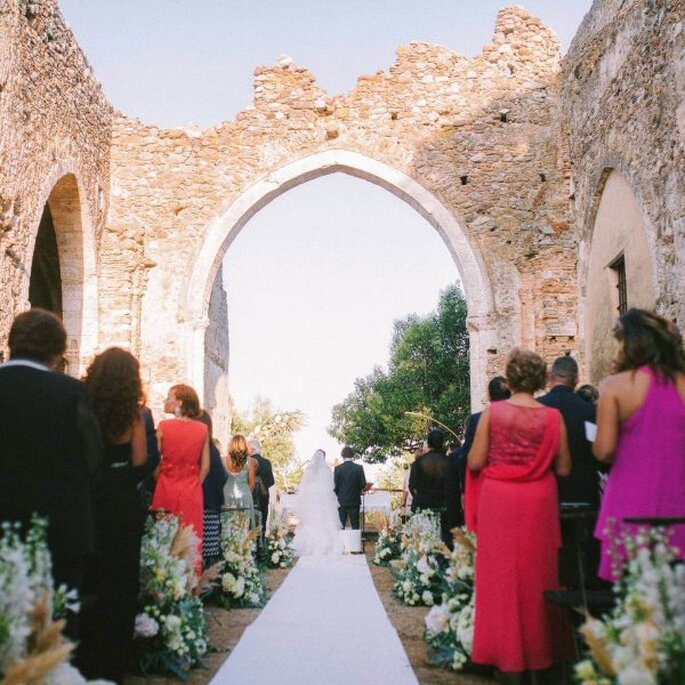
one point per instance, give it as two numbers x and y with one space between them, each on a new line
190 404
204 417
436 439
648 340
115 390
589 393
37 334
237 450
526 371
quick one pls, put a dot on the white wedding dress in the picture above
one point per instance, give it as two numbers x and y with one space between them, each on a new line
316 508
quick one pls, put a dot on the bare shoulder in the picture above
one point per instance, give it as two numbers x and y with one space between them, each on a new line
618 383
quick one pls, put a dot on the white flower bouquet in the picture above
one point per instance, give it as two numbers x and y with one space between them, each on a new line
642 641
389 543
170 630
449 625
32 648
240 583
279 551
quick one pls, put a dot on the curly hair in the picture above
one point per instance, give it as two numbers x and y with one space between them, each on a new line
526 371
115 390
237 451
190 403
648 340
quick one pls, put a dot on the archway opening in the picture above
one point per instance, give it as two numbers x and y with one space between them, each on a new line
45 288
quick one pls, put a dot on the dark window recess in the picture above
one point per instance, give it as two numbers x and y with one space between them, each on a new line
464 180
543 178
503 117
618 266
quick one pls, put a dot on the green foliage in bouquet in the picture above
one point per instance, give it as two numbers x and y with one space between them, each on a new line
449 625
32 648
279 551
389 543
170 630
240 582
418 573
642 641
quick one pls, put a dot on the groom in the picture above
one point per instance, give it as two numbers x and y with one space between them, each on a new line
349 482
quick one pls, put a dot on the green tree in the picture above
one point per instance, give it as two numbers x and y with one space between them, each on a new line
428 374
274 429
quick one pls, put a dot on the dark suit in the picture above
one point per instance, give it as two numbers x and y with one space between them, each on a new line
265 473
454 487
469 435
349 481
50 446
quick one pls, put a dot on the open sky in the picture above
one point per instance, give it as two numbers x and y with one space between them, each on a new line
315 279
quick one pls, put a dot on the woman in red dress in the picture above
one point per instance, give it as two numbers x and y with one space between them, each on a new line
184 449
511 502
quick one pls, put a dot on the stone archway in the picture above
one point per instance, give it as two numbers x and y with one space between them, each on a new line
618 241
223 229
73 256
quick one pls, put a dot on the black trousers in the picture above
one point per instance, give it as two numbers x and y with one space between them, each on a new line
352 513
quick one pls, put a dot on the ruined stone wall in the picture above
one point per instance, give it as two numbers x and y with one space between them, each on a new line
482 135
54 121
623 97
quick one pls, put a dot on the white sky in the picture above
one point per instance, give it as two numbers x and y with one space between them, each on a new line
317 277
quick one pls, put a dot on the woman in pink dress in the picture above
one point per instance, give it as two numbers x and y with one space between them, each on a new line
184 449
511 502
641 430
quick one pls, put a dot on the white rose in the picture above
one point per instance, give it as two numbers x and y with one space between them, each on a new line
146 626
586 670
275 557
422 565
239 587
636 674
437 619
427 597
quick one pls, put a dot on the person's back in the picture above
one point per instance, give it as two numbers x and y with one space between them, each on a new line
428 482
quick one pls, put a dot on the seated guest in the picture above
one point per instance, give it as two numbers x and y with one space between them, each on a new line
213 498
50 446
115 390
641 429
519 445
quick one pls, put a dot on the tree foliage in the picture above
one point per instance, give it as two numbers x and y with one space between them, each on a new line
428 373
274 429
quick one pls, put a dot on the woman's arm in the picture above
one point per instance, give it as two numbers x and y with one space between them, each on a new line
155 475
251 472
138 443
608 422
478 453
562 462
204 462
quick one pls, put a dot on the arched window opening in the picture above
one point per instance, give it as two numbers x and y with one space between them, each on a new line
45 288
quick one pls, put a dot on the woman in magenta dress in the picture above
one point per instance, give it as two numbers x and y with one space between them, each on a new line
641 430
511 502
184 449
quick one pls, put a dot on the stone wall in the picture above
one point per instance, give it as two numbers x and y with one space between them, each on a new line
623 96
55 126
482 136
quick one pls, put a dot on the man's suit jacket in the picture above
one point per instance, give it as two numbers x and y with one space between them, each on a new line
50 446
266 473
349 481
469 435
582 484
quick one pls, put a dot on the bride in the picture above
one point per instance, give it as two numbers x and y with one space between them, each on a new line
316 508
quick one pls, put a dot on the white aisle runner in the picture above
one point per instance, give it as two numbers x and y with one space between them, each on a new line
324 626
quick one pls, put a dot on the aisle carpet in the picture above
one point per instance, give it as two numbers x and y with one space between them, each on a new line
324 626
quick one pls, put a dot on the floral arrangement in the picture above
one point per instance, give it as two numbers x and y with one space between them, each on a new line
418 573
32 648
279 551
240 583
449 625
642 641
389 543
170 630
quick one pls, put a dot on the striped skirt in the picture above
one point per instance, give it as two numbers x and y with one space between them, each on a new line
211 535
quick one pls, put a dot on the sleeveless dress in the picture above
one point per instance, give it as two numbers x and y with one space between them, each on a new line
178 488
112 576
237 493
513 506
647 477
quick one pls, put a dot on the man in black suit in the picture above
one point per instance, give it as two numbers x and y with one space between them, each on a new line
264 479
349 481
50 445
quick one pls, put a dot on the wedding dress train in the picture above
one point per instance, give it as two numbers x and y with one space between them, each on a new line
316 507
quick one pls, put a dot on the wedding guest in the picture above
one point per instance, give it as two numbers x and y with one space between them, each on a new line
454 487
641 429
50 446
114 388
184 448
349 483
241 478
513 505
264 479
589 393
213 498
146 488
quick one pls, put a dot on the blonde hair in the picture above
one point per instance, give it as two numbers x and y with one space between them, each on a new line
237 451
